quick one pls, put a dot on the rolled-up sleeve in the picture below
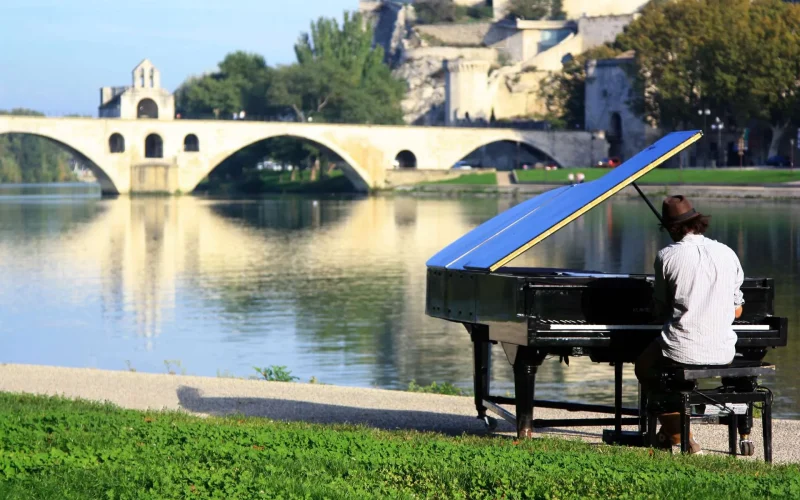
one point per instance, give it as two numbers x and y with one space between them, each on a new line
738 296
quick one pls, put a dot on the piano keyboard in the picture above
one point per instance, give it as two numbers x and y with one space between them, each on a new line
572 325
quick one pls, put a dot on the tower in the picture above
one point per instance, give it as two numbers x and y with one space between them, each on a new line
466 91
145 75
143 99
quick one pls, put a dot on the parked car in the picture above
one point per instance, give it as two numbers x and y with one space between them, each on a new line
462 165
612 162
778 161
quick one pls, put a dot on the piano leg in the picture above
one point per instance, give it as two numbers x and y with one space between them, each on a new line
525 367
618 400
482 363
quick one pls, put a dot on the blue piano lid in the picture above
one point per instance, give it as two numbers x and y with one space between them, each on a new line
501 239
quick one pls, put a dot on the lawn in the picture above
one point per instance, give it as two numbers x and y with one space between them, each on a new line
672 176
56 448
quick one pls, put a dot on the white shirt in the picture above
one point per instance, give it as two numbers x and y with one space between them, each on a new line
698 280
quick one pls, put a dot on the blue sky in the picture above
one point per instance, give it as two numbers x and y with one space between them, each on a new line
56 54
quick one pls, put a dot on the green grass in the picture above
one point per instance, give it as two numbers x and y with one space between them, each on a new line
672 176
55 448
483 178
445 388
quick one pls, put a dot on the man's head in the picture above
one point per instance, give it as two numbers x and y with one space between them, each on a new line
680 218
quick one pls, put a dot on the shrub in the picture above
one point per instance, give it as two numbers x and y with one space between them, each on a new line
275 374
446 388
435 11
480 12
529 9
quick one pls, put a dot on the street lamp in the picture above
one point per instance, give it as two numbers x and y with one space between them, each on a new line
704 113
719 127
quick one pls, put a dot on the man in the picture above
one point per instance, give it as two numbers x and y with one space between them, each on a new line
697 292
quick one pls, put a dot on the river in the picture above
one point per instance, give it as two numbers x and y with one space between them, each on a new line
330 288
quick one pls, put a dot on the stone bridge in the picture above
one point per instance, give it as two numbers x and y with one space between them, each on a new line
169 156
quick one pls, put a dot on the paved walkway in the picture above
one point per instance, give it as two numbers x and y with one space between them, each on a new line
320 403
503 178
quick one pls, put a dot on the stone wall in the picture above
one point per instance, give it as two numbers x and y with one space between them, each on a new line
451 53
423 103
408 176
575 9
154 178
553 59
599 30
389 21
455 35
517 95
608 90
423 69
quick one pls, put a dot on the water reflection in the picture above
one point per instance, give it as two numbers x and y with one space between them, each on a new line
330 288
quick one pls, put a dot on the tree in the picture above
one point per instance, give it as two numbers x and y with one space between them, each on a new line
339 76
771 85
671 55
206 96
530 9
241 84
29 158
564 92
557 10
436 11
739 58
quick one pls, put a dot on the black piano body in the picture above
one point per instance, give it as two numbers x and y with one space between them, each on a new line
536 313
608 317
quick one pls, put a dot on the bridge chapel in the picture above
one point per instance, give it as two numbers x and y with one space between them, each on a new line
144 99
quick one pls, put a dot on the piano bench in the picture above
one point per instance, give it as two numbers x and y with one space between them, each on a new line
730 404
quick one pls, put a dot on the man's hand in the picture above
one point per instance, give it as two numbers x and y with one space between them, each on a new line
738 312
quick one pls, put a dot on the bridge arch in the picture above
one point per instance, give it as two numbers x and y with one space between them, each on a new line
107 184
355 173
522 141
406 159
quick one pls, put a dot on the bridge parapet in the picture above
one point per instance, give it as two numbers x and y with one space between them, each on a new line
369 151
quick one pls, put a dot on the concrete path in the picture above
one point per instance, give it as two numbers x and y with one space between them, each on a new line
503 178
322 404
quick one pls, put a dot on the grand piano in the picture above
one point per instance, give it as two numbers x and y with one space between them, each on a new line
538 313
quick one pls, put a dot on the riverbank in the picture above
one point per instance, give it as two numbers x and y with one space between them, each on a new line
769 192
321 404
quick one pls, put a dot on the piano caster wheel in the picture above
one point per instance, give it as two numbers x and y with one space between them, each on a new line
490 422
746 448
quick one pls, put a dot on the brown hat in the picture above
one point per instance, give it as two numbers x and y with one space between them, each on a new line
676 209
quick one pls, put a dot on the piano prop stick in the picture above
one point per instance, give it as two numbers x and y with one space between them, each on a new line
646 200
535 313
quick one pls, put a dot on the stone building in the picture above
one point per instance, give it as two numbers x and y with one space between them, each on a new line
459 73
143 99
608 111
